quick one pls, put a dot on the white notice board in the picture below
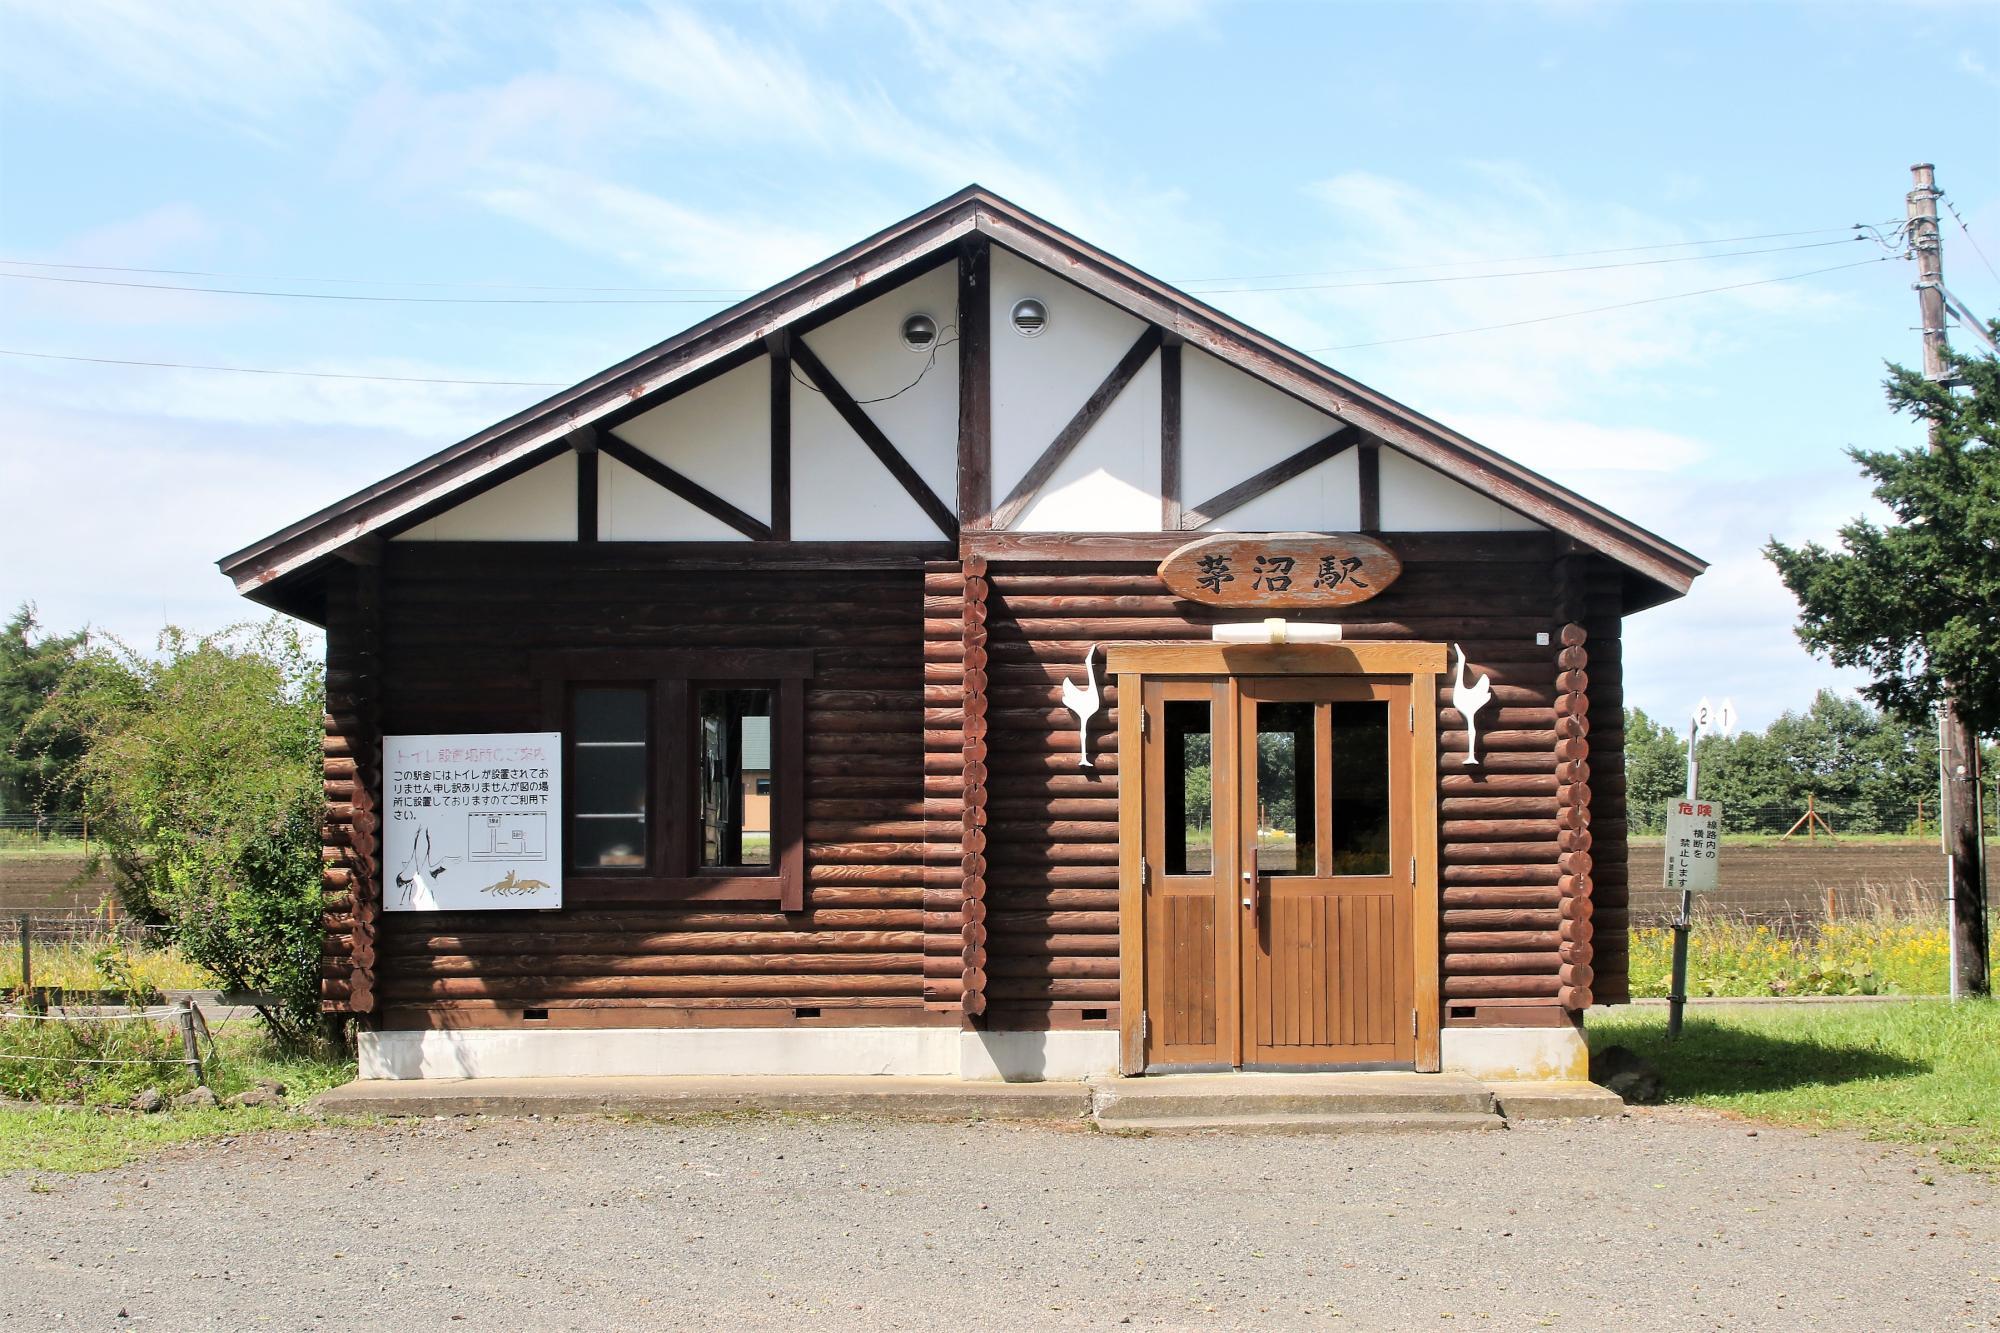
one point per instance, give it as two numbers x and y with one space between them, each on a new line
472 822
1694 845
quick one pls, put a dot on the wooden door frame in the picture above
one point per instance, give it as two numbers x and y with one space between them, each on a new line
1421 664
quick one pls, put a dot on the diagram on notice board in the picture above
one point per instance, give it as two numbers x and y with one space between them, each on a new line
470 822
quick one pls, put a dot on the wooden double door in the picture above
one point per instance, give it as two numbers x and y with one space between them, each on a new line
1279 873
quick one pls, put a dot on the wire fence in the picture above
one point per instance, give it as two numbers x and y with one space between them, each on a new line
1812 819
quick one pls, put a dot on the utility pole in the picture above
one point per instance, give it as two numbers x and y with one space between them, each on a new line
1958 806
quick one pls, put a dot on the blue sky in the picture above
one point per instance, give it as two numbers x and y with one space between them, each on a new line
723 147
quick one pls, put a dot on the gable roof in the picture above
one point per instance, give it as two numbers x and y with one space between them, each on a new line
267 569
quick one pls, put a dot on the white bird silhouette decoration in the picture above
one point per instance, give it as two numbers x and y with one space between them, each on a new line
1082 700
1468 700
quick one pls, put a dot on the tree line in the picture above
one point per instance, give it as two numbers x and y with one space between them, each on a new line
1864 771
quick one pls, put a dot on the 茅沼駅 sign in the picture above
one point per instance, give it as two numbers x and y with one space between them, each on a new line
471 822
1281 570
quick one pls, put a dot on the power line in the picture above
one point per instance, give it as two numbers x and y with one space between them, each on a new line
261 370
1598 310
551 384
368 282
565 300
1530 259
1534 272
356 296
1969 236
741 292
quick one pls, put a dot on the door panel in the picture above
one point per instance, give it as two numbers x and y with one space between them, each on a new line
1328 974
1190 857
1278 905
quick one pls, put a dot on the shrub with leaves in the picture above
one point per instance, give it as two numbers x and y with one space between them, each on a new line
201 773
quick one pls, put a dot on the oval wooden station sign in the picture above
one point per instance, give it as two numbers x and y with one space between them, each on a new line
1281 569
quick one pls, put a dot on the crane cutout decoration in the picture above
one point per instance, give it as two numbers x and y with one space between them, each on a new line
1082 700
1468 700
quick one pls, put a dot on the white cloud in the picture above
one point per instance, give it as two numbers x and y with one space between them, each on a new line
242 60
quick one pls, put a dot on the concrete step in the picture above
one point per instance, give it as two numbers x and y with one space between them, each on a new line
923 1098
1556 1100
1364 1122
1219 1096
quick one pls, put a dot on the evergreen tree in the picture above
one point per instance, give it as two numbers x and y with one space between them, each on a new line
1917 604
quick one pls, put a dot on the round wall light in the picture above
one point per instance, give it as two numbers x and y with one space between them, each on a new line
920 333
1030 317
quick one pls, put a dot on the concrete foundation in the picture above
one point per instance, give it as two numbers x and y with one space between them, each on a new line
1543 1054
1014 1057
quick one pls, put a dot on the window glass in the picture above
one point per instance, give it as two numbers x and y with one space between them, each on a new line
1285 790
736 787
1190 812
1360 835
609 758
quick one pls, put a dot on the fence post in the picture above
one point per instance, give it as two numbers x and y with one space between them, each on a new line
27 961
184 1015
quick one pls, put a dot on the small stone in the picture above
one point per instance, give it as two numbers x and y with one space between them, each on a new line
261 1095
196 1098
149 1101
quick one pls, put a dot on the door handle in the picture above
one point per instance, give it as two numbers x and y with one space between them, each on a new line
1254 898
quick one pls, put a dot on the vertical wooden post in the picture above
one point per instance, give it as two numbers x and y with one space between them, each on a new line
973 835
190 1051
1368 478
1170 432
27 956
1958 805
1572 729
975 385
780 347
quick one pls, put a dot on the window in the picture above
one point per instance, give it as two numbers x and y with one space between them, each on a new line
684 773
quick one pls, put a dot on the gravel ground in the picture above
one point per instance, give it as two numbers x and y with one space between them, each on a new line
1660 1220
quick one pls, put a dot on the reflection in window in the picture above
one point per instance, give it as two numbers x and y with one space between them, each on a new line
609 756
1190 812
1285 792
735 783
1360 834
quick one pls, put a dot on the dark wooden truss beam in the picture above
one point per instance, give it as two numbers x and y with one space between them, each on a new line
871 435
1070 436
653 470
1280 472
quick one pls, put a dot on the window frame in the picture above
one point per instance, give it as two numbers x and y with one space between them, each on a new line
673 871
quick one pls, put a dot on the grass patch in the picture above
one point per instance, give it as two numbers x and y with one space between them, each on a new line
102 964
1729 956
1925 1073
89 1130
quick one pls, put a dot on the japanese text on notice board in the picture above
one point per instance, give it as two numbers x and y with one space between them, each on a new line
1694 845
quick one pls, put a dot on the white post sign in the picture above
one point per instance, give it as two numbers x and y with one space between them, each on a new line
1694 845
473 822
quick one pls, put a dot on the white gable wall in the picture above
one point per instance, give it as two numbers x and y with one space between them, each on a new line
864 350
537 506
1418 499
717 435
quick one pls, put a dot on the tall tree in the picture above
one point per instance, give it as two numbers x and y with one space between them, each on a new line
1916 604
38 751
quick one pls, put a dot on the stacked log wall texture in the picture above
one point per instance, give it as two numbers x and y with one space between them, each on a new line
973 754
1052 834
351 780
945 817
461 623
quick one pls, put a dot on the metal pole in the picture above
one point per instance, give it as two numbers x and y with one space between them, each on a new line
1677 991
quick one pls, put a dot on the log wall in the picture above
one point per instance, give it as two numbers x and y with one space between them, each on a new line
460 622
961 865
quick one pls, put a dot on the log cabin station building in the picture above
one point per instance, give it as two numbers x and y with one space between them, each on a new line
1095 659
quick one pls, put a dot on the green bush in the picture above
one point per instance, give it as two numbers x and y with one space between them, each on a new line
201 775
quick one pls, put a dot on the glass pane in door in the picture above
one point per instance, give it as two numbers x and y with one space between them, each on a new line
1360 833
1285 788
1190 799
